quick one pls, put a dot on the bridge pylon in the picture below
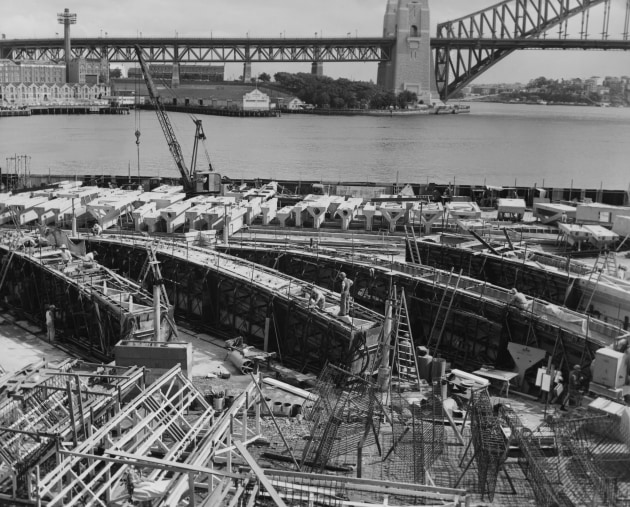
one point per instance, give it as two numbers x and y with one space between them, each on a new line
410 67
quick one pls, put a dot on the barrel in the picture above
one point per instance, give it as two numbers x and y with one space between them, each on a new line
218 403
438 368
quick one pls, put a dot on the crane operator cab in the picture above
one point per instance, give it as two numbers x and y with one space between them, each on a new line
207 182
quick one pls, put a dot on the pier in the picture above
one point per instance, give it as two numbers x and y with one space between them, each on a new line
77 109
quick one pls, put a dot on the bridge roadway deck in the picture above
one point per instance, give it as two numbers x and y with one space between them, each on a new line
273 49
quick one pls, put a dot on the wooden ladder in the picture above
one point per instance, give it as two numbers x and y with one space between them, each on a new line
606 261
448 287
152 264
5 268
404 361
412 243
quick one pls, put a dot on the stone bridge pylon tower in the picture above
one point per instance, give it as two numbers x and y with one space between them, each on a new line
411 65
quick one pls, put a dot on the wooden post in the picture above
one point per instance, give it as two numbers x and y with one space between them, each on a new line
191 487
38 499
257 415
266 339
228 443
71 410
273 418
81 411
245 407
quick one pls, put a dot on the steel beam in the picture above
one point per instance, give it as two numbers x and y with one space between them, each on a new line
196 50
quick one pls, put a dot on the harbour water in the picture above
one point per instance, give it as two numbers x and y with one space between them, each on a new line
500 144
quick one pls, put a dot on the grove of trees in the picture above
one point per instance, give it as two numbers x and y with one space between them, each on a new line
325 92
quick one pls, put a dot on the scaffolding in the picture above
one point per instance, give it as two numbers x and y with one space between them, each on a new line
46 407
154 449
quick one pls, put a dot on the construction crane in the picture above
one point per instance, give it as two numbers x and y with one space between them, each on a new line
195 182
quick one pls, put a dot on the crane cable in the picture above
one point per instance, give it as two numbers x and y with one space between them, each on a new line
137 120
203 143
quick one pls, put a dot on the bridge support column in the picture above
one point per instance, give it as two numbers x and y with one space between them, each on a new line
105 68
392 215
410 67
175 76
247 72
317 68
369 210
318 213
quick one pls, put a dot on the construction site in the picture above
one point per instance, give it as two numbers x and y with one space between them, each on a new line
213 343
403 400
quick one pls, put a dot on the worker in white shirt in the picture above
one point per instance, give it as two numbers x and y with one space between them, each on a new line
66 256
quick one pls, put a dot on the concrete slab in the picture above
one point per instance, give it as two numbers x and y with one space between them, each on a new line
21 348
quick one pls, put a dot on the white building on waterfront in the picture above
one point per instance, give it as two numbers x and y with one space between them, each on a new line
295 104
256 101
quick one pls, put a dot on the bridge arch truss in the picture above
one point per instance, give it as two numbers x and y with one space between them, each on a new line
468 46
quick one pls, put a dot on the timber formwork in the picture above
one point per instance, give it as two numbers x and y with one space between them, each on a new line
507 271
94 307
45 408
553 278
231 297
467 321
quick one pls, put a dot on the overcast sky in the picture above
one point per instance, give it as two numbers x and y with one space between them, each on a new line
297 18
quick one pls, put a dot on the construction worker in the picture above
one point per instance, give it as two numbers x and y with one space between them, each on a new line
346 283
97 229
90 256
66 256
50 323
317 299
558 387
575 388
518 299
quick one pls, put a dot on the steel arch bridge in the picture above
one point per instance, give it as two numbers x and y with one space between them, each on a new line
462 49
468 46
